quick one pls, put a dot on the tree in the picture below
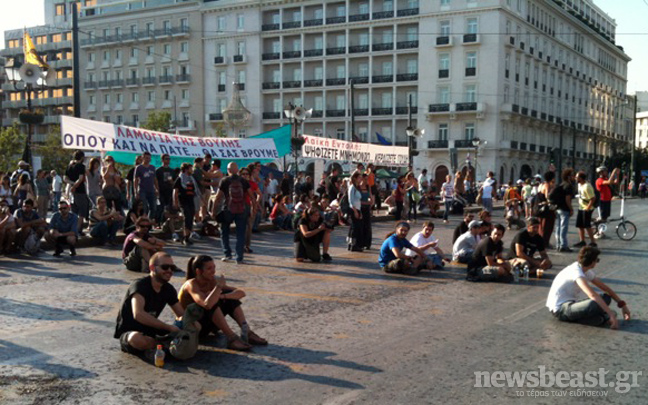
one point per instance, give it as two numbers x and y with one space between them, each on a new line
12 143
54 156
158 121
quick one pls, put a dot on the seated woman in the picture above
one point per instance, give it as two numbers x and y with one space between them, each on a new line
104 222
132 215
391 203
218 299
392 257
7 228
312 232
281 216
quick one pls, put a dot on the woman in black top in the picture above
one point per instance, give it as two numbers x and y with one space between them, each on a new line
132 215
311 232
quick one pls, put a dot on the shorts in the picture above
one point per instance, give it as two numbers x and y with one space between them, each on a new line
133 261
605 207
127 348
402 266
227 307
81 205
584 219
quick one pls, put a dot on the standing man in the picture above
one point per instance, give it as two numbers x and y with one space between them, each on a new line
488 191
146 184
233 189
423 182
603 184
165 177
561 196
23 167
76 174
586 199
333 184
285 184
57 184
137 321
63 229
527 243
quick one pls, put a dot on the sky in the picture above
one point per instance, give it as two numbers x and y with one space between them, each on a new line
632 31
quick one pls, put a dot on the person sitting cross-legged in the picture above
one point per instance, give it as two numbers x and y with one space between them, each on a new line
140 246
565 296
105 222
426 241
527 243
488 263
312 232
464 246
392 257
218 300
63 229
29 222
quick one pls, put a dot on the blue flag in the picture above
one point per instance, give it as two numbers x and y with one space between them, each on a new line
382 139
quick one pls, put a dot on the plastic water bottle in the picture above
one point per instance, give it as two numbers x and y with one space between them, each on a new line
526 273
516 274
159 357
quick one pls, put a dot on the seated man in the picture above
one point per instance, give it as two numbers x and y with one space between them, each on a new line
140 246
487 263
137 321
105 222
564 300
464 246
424 240
7 228
392 257
64 229
527 243
463 226
27 222
312 232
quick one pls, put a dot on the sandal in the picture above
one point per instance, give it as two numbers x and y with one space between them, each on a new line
256 340
235 343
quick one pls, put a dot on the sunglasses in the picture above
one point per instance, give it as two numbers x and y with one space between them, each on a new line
64 208
145 226
167 267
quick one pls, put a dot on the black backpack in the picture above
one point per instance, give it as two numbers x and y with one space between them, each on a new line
539 206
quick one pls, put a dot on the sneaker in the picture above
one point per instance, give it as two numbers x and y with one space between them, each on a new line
187 242
58 252
195 236
565 250
248 250
593 244
72 251
240 262
326 257
227 259
579 244
175 237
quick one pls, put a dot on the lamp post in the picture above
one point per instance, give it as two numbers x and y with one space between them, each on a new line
296 115
411 132
477 143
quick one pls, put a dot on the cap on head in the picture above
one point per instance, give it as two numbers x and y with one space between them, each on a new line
22 163
601 169
520 182
475 224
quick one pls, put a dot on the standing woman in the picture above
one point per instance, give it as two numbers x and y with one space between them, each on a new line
217 299
413 196
23 190
42 193
447 193
548 219
399 198
355 207
95 180
366 202
111 184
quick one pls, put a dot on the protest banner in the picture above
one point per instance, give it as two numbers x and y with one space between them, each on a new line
77 133
334 149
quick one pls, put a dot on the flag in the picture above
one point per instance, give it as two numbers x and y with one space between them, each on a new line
31 56
382 139
355 138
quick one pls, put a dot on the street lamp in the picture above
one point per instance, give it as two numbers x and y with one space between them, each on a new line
296 115
411 134
477 143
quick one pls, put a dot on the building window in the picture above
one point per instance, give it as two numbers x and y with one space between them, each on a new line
469 131
135 97
151 96
240 22
240 48
120 98
167 49
185 94
91 57
92 100
471 93
444 27
471 26
59 9
221 23
106 56
444 95
184 23
184 47
443 132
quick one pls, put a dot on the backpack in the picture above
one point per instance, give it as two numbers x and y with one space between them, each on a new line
184 344
345 207
236 202
32 243
539 206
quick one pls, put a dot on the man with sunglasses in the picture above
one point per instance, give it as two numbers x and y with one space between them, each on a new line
140 246
137 321
63 229
565 296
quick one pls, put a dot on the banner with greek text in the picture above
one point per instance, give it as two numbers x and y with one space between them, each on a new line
77 133
333 149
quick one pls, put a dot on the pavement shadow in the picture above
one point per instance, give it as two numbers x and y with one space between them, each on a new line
77 278
306 356
379 275
638 326
13 354
28 310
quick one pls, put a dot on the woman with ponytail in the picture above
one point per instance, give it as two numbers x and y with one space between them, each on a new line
218 299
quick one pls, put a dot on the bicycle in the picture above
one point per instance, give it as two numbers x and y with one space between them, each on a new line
625 230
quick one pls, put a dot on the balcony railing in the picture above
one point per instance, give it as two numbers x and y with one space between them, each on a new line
216 117
471 71
359 17
466 107
335 113
238 58
438 144
292 84
317 114
90 85
335 51
241 86
358 48
382 111
336 20
469 38
104 83
313 83
444 107
313 52
291 24
336 82
270 27
221 88
378 15
405 110
271 115
463 143
149 81
132 82
271 56
406 77
359 80
407 12
183 77
271 85
313 23
361 112
444 73
382 79
383 47
291 54
219 60
407 44
443 40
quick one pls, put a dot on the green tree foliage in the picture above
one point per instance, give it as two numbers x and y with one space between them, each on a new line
54 156
12 143
158 121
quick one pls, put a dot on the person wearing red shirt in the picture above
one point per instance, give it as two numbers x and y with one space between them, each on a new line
603 184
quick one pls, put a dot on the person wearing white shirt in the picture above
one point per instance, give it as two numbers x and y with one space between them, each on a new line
355 205
57 186
464 246
488 191
565 300
423 181
426 241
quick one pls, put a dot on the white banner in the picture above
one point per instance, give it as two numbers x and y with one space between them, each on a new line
333 149
77 133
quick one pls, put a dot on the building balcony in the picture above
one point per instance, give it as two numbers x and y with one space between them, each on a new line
380 15
219 60
292 54
241 86
103 84
438 144
360 112
313 22
358 48
437 108
336 51
271 85
382 111
471 71
292 84
336 82
407 12
271 56
239 59
65 63
471 38
407 44
180 31
406 77
216 117
132 82
463 143
90 85
116 83
406 110
336 20
444 41
270 27
221 88
335 113
313 52
149 81
359 17
313 83
166 80
444 73
271 115
359 80
382 79
291 25
388 46
183 78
